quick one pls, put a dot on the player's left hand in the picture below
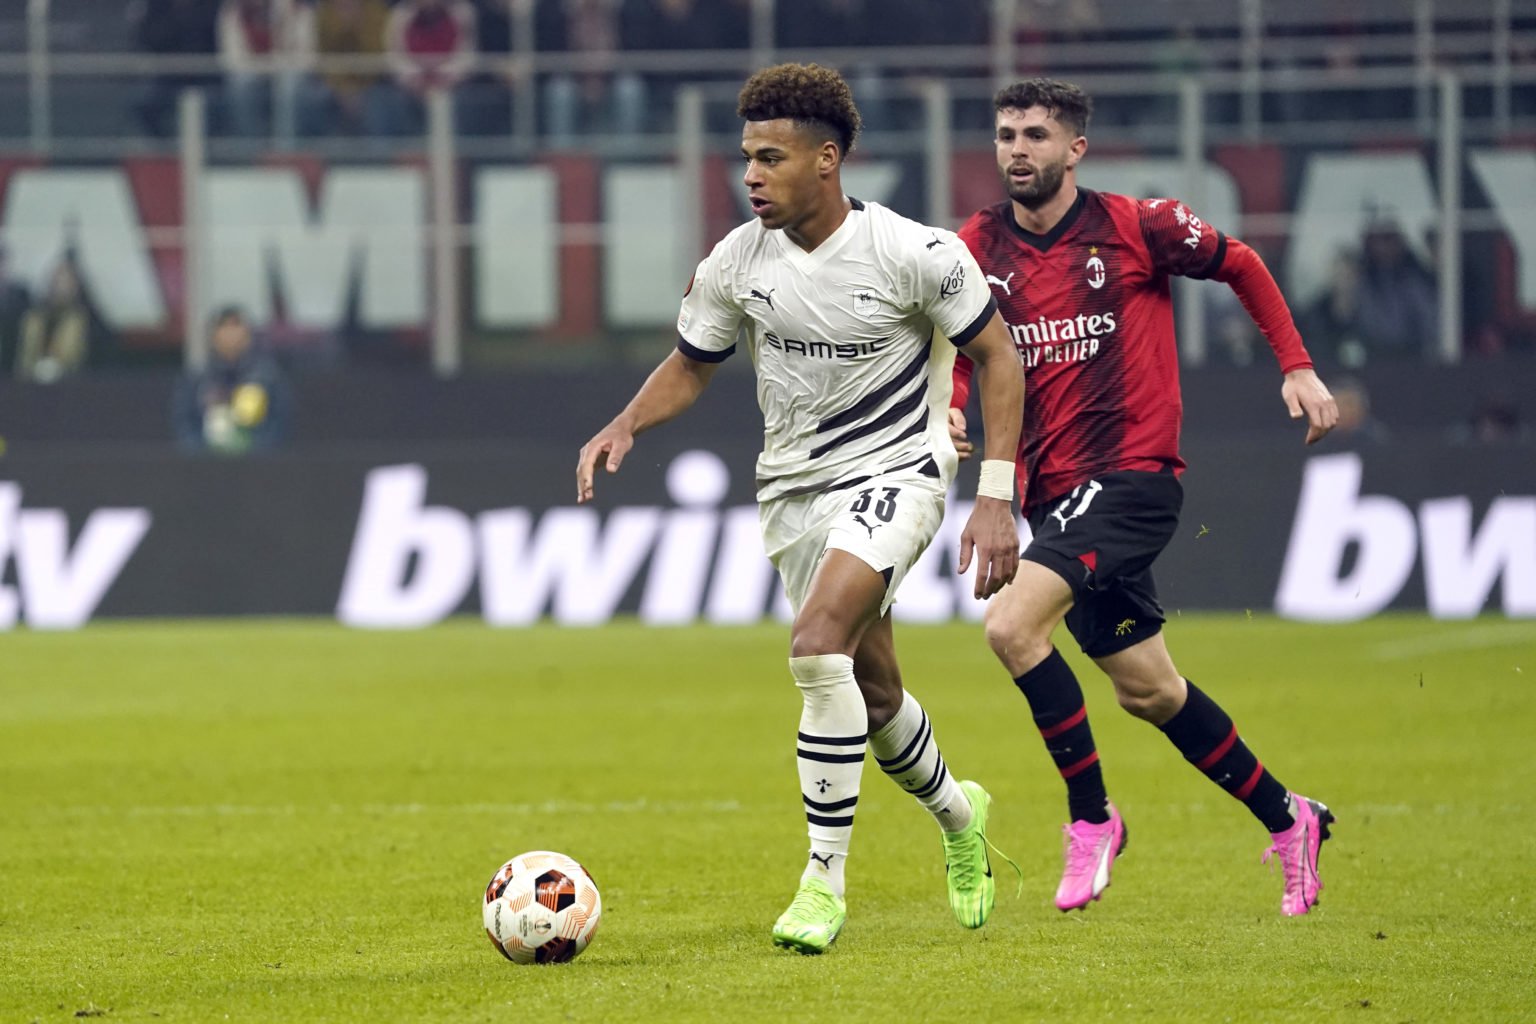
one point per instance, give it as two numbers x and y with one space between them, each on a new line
963 446
1304 392
992 535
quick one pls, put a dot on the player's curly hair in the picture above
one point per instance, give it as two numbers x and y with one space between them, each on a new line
1066 102
810 95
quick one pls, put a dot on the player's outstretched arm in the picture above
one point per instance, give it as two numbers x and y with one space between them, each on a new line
1305 393
991 534
671 388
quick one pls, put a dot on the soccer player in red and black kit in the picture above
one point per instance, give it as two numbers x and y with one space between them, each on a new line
1082 280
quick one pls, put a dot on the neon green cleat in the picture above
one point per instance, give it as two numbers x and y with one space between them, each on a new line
813 919
968 871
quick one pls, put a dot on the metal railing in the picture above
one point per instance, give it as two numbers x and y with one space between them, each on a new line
1246 47
693 147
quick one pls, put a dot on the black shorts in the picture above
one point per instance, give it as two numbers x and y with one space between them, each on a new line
1102 539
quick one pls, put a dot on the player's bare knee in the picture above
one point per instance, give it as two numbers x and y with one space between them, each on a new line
1017 646
807 639
1147 700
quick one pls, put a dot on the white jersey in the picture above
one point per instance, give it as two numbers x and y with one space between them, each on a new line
850 378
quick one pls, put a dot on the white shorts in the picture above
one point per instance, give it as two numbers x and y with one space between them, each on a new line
886 522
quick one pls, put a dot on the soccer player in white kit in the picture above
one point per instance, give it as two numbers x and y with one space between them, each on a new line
841 304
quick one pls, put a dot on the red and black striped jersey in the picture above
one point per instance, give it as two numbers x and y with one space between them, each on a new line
1089 306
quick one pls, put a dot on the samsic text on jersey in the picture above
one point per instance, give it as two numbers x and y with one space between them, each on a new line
850 377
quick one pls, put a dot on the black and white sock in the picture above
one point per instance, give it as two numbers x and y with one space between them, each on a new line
906 750
830 757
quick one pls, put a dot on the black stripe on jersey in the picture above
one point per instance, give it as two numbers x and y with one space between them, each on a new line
1217 259
916 400
816 755
872 401
843 485
836 805
982 319
857 204
831 741
703 355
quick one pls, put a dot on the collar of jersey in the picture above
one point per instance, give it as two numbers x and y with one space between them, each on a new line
810 262
1051 237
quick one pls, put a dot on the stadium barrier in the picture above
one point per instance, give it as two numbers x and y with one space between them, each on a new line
404 537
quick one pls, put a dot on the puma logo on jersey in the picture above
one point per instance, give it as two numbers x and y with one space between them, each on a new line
1002 282
768 298
864 523
1084 496
936 241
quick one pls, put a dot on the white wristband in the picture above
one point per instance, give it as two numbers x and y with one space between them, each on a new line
996 480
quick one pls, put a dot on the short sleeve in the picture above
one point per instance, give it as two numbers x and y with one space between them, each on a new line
708 322
1178 241
951 288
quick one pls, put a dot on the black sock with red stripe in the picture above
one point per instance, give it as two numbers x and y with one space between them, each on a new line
1208 740
1056 701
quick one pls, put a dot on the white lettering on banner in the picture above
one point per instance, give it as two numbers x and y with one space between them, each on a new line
674 589
10 504
517 245
744 581
395 532
644 265
570 562
367 228
411 565
1460 566
1507 177
59 587
48 209
1330 516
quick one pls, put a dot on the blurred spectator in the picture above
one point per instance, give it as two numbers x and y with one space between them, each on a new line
174 28
1331 324
58 331
1398 314
956 23
14 301
1230 333
1357 424
431 45
801 24
592 99
1495 420
240 402
677 25
487 94
251 33
350 99
1037 23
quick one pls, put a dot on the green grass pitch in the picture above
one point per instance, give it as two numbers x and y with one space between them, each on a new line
290 821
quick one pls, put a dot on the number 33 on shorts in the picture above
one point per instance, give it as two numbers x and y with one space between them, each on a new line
883 511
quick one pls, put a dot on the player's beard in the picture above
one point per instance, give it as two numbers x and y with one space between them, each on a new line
1040 189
